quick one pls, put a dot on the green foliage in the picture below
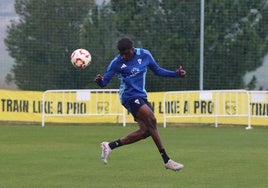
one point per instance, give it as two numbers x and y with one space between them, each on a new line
170 29
233 45
159 27
48 31
98 34
42 41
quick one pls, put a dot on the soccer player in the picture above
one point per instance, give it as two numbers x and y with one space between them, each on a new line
131 66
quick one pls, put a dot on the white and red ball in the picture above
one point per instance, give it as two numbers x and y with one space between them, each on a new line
81 58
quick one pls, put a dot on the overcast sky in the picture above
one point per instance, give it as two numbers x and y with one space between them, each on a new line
6 14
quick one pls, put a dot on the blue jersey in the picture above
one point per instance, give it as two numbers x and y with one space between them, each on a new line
132 74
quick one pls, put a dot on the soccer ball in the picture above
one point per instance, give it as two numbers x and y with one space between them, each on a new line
80 58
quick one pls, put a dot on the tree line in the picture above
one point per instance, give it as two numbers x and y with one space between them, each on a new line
47 32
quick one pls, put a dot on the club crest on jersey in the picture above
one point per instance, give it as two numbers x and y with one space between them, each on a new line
139 60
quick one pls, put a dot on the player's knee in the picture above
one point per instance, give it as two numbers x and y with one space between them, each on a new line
144 131
145 134
152 122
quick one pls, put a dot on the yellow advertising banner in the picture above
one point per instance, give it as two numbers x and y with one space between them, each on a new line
83 106
89 107
20 106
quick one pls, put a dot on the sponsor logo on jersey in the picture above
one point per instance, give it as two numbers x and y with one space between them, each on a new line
134 72
123 66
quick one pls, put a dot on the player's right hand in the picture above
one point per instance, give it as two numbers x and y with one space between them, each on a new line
99 78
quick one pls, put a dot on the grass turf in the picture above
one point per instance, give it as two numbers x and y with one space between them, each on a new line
69 156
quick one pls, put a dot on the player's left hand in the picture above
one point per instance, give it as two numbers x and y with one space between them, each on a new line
181 71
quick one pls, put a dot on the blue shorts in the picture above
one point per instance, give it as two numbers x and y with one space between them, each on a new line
133 105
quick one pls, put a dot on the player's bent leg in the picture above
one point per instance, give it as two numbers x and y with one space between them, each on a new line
132 137
135 136
105 151
146 116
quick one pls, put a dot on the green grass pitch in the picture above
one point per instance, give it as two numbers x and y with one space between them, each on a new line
69 157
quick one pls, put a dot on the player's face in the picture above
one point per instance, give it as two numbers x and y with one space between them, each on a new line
127 54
